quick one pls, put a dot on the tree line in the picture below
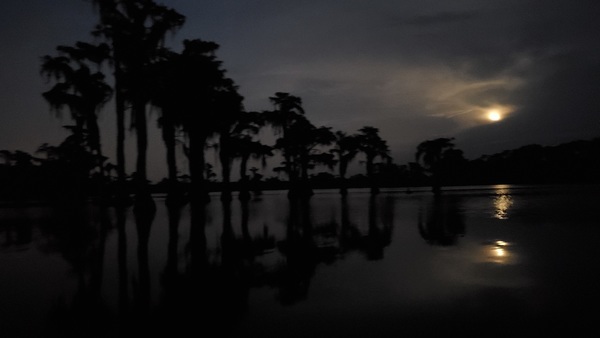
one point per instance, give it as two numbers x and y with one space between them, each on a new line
439 163
196 100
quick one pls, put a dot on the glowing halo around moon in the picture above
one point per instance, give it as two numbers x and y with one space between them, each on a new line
494 115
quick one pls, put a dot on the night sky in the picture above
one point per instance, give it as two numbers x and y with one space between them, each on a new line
416 70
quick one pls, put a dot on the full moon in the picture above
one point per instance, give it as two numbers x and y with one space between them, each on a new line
494 116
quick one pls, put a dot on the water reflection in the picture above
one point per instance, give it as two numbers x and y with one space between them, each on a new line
502 202
144 216
379 233
211 290
123 295
443 221
221 266
79 234
498 252
301 254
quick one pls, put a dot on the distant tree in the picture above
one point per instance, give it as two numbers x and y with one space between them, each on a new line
373 146
287 109
68 168
300 146
18 175
244 146
434 154
346 147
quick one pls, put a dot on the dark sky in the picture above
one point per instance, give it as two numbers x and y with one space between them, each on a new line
416 70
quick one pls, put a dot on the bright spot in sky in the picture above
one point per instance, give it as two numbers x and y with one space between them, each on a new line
494 116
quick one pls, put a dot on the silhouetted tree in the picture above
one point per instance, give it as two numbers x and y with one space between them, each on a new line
230 112
433 154
299 145
80 89
346 148
203 82
244 146
373 146
136 30
288 109
166 77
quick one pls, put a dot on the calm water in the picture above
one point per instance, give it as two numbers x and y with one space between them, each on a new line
483 261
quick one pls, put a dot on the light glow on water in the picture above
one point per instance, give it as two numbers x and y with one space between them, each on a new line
502 203
498 252
501 243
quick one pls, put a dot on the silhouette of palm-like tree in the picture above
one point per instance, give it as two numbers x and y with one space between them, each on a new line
245 148
230 111
202 96
136 30
431 153
300 146
80 89
164 95
373 146
346 148
288 109
243 145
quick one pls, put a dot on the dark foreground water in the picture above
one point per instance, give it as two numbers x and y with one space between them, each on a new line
480 261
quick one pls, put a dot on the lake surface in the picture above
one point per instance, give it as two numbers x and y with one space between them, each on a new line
479 261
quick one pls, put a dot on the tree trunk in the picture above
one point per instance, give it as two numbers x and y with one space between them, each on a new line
199 191
224 156
168 133
371 174
141 181
244 189
305 190
121 195
343 182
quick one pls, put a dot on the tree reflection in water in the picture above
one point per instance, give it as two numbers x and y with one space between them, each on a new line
230 266
201 287
79 234
443 223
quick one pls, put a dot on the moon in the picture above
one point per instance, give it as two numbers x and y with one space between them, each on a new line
494 115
